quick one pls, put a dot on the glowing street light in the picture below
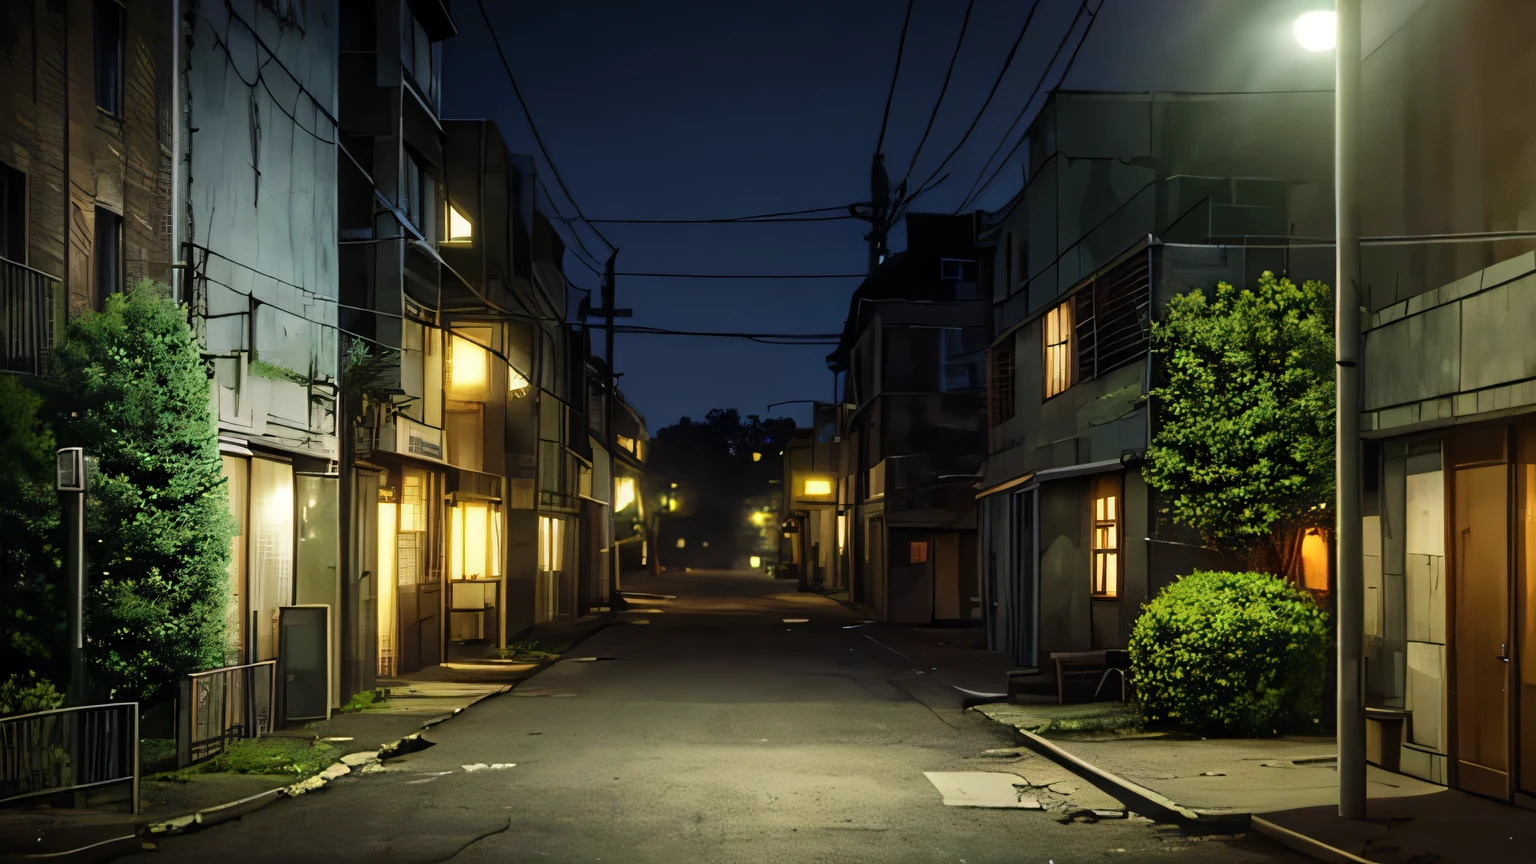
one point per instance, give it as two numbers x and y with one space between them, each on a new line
1316 31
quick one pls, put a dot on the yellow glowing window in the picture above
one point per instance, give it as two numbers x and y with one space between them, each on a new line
755 562
623 492
1314 560
516 381
459 229
1106 546
468 370
818 487
627 443
682 543
1058 349
757 457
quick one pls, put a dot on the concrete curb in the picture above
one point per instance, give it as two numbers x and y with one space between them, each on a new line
219 813
1308 846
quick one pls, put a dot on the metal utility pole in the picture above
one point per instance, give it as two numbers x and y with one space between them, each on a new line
71 482
877 211
610 427
1350 581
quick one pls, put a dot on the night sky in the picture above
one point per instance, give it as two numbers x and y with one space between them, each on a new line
711 108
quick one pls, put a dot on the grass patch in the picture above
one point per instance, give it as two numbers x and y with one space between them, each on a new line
363 701
157 753
528 652
296 757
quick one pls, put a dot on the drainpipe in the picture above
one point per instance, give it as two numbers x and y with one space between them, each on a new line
177 264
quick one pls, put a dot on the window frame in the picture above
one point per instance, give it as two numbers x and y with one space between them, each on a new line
1106 539
14 215
1057 358
1002 387
99 12
98 268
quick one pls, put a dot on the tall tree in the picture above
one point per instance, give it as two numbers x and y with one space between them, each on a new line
133 391
33 637
1244 445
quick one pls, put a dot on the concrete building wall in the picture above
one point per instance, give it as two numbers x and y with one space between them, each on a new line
262 216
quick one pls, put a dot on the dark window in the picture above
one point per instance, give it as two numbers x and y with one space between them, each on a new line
961 353
13 214
912 360
1002 385
1008 265
108 254
109 57
418 193
957 270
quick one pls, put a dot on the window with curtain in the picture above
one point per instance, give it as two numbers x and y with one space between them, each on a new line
1106 540
1059 367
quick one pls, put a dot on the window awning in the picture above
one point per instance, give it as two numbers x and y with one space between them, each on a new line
1005 486
1078 470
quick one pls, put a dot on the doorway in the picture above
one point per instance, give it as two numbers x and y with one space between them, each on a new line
1023 591
1480 596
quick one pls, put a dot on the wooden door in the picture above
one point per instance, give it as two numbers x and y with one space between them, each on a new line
1480 534
1525 617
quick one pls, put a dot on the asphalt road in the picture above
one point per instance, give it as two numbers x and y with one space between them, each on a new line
709 731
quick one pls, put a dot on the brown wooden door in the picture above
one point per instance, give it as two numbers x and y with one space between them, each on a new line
1480 533
1525 618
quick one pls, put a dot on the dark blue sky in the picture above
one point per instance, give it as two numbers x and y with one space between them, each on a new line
708 108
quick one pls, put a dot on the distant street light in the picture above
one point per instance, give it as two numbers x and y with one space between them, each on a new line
1316 31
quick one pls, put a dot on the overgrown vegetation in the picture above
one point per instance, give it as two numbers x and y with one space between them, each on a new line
1244 446
363 701
1231 654
528 652
296 757
33 628
130 387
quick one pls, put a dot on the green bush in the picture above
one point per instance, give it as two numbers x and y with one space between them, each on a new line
132 389
1231 654
25 694
33 628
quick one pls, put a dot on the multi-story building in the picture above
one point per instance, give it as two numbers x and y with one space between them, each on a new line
913 442
813 512
1130 199
259 243
85 163
1448 279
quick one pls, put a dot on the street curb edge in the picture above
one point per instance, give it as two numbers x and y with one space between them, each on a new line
1308 846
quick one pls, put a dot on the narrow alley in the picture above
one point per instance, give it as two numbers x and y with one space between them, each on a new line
732 721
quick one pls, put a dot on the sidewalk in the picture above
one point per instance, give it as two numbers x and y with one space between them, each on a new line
1287 788
190 799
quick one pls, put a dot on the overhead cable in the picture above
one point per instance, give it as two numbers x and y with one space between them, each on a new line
901 47
965 24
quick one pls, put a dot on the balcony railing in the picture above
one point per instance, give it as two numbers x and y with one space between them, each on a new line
26 317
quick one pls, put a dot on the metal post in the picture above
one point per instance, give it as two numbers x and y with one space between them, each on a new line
879 210
70 481
610 439
1349 607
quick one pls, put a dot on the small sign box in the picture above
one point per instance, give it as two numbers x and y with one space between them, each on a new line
71 469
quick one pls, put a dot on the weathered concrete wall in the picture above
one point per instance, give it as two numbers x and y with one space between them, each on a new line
1456 354
262 215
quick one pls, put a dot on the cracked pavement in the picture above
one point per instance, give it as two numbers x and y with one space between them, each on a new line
717 733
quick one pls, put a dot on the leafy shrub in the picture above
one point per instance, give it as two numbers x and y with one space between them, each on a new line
33 628
1230 654
133 390
25 694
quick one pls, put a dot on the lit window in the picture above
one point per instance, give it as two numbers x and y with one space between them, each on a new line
517 382
1314 560
818 487
757 457
468 370
627 443
623 492
459 229
919 552
1106 546
1058 349
755 562
682 543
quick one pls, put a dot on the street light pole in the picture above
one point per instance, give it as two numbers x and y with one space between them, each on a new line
1349 607
71 483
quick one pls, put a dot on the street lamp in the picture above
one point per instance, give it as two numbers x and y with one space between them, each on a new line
1320 31
1316 31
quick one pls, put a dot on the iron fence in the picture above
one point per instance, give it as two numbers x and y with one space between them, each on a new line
26 318
224 705
69 749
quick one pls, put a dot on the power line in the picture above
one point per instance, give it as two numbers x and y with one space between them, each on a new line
538 139
901 48
748 275
933 115
1044 73
1013 51
782 216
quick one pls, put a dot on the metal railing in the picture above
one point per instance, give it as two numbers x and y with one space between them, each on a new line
69 749
224 705
26 318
